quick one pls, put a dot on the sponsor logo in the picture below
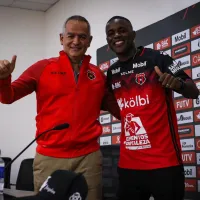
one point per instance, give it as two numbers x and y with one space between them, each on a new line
138 65
116 85
183 104
197 130
127 73
186 131
133 102
181 50
104 119
198 163
116 139
188 72
107 129
135 134
174 67
186 117
190 185
115 71
115 119
104 66
187 144
105 140
163 44
188 157
196 73
116 128
196 59
197 115
190 171
150 46
195 31
91 75
181 37
114 60
197 140
183 62
195 45
140 78
196 102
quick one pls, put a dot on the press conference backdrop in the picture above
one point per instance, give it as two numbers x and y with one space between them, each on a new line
179 36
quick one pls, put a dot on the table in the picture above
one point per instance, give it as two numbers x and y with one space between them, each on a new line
11 193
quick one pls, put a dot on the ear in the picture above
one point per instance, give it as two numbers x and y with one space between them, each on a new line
90 40
61 38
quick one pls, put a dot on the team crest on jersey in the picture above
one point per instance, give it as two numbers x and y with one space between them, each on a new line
91 75
140 78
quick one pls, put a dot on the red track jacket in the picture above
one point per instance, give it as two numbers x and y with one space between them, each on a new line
60 99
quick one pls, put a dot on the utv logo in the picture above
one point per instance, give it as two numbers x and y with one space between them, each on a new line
138 65
133 102
115 71
140 78
181 37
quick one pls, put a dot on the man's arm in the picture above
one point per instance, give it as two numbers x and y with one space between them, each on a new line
172 76
24 85
109 102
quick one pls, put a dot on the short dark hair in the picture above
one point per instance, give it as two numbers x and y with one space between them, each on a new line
119 17
78 18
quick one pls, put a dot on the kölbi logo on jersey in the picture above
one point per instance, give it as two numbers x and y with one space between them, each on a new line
141 64
133 102
115 71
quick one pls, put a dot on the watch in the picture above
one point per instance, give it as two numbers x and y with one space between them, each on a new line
182 83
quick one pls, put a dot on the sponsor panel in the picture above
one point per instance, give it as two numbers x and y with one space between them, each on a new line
150 46
197 130
163 44
116 128
197 115
195 31
105 119
107 129
196 59
197 141
190 185
188 157
196 73
181 37
190 171
187 144
198 185
183 104
185 117
181 50
114 60
186 131
177 95
104 66
183 62
114 119
188 72
198 162
195 45
105 140
116 139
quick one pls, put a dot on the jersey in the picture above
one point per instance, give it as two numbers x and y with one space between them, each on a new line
149 136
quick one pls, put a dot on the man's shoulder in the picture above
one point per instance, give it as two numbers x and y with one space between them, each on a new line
45 62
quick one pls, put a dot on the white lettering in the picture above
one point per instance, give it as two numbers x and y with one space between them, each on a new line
141 64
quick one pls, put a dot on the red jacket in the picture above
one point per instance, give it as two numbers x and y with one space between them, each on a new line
61 100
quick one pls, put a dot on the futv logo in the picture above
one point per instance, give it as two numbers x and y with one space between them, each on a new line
133 102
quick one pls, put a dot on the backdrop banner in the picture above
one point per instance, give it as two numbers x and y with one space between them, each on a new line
179 36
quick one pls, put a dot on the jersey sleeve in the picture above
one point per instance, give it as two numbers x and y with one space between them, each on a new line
23 86
167 64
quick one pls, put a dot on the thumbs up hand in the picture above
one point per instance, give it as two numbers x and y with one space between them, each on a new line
6 67
167 80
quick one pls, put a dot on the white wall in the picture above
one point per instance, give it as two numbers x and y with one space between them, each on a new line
21 33
34 35
141 13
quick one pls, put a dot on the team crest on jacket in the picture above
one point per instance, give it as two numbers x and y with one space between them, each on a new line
140 78
91 75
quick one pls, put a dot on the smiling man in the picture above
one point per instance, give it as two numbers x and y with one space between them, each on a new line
68 90
150 153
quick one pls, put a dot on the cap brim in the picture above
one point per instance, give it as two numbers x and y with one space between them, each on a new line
29 198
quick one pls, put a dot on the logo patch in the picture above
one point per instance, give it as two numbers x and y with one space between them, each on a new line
140 78
91 75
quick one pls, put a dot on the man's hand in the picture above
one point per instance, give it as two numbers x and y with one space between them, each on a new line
6 67
168 80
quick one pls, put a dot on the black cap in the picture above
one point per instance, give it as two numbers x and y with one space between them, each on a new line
62 185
